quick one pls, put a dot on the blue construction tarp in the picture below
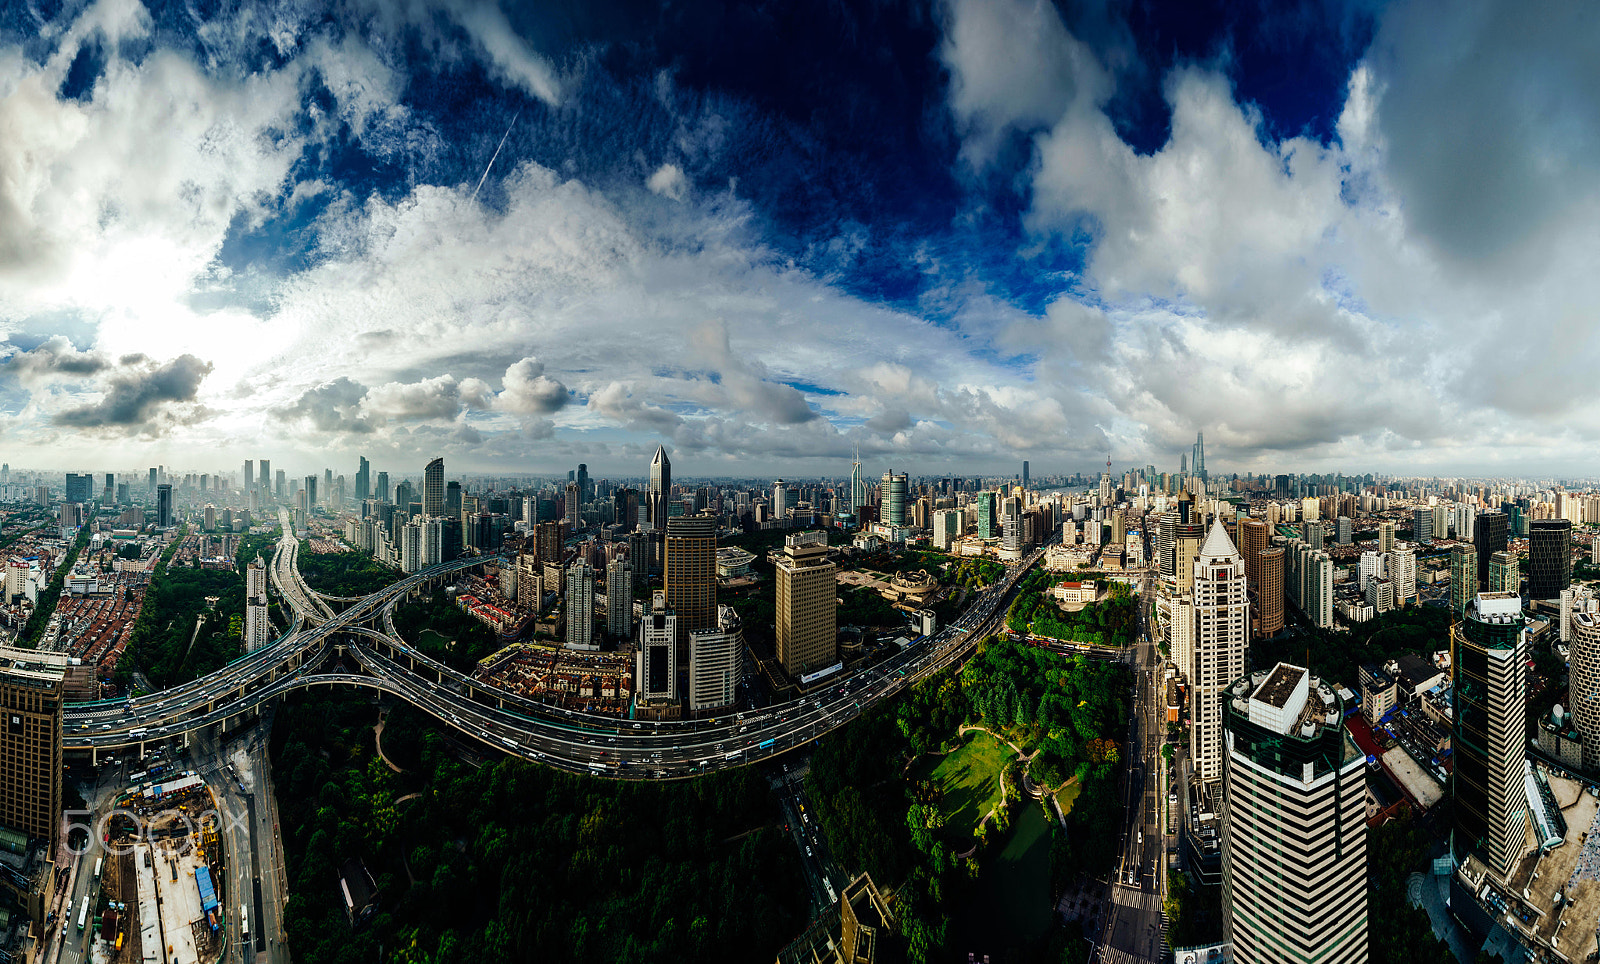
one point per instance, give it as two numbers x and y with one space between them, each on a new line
208 894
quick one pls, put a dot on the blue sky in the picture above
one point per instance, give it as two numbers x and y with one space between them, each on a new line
955 234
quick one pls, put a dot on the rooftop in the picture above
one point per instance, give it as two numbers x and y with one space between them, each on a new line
1279 686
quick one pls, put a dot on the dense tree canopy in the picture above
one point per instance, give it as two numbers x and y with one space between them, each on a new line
515 861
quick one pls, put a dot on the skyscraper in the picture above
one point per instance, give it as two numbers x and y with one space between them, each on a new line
659 489
1489 535
1024 473
266 474
780 501
433 488
248 476
585 492
619 598
807 624
690 571
656 669
715 656
257 628
1504 573
986 516
1199 461
1584 683
1549 557
363 479
894 499
452 499
570 505
80 488
858 488
1463 577
1385 536
164 505
1422 524
580 606
1294 847
1221 647
382 491
32 686
1490 681
1263 566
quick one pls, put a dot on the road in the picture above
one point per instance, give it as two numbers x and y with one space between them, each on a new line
1134 929
599 745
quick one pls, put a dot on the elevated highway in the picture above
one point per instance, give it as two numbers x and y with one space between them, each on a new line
580 742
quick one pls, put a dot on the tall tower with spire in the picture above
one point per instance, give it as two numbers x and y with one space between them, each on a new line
1198 463
1221 649
858 489
659 489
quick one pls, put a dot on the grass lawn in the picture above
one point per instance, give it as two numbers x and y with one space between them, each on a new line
429 639
1067 794
970 781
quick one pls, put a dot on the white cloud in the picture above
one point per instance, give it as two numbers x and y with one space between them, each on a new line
669 181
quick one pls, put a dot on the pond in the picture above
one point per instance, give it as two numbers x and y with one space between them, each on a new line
1013 906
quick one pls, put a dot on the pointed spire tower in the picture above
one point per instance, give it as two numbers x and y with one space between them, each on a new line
660 488
1221 647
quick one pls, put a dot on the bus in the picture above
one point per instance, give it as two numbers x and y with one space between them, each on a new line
99 864
244 923
83 913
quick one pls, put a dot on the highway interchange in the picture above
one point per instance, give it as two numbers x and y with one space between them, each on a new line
599 745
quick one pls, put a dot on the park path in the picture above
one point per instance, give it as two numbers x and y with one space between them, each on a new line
377 741
1028 785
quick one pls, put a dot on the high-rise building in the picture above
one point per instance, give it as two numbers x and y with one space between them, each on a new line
858 488
619 598
310 489
570 506
265 477
656 669
585 490
1024 473
433 488
780 501
715 657
1504 573
257 627
1490 682
209 515
1199 460
381 493
1221 647
1264 574
110 489
248 476
1584 682
280 488
1463 577
894 499
153 478
1385 536
807 623
32 689
1347 530
947 527
580 606
1489 537
1294 847
659 489
1549 557
689 575
1422 524
363 479
80 488
987 528
547 542
164 505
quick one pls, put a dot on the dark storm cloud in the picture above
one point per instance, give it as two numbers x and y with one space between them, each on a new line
138 397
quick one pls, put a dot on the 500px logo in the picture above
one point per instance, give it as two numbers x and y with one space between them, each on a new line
178 825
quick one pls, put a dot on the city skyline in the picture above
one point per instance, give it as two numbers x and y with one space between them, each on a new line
1120 233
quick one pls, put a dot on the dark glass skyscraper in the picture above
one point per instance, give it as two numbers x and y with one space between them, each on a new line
1490 681
1549 557
1489 536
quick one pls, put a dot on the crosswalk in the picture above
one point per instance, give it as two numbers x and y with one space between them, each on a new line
1113 955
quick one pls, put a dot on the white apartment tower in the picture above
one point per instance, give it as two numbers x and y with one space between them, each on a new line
1221 647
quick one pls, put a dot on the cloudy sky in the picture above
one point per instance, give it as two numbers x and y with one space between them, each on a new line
957 234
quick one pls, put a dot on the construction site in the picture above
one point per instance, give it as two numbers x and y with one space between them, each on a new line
159 901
